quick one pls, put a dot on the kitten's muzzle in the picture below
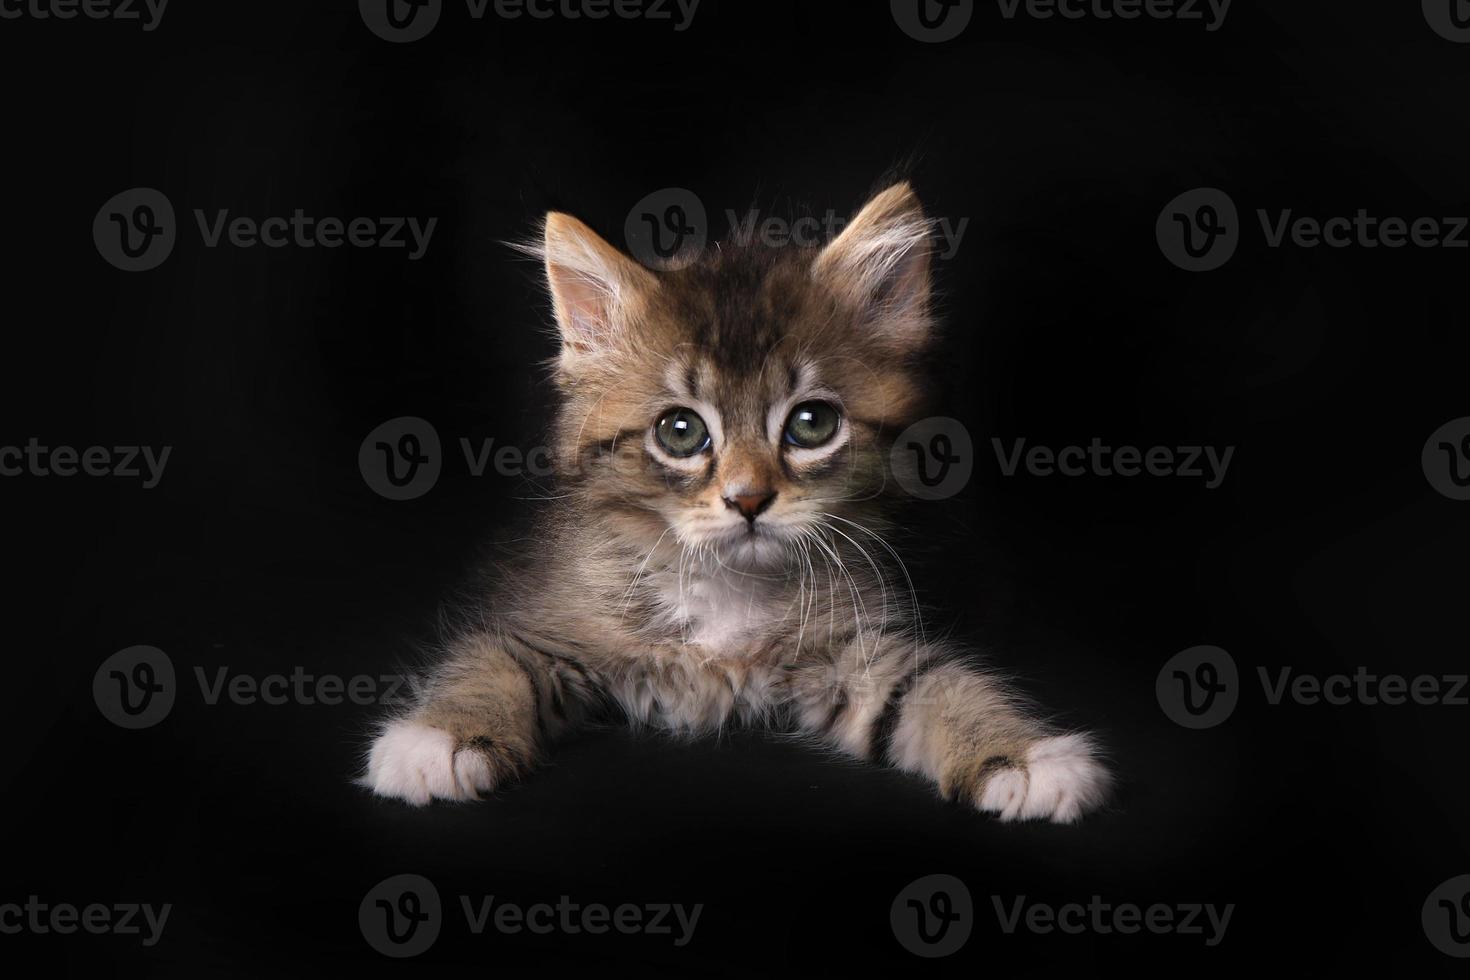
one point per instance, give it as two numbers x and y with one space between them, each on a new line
751 505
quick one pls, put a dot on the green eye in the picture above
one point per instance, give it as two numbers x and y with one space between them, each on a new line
811 424
681 433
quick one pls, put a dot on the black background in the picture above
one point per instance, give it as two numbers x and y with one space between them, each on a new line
262 549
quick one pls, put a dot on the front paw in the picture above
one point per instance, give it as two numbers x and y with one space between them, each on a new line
416 763
1058 779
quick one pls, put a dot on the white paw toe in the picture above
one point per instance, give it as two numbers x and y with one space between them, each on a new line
1066 779
1062 779
417 763
1004 793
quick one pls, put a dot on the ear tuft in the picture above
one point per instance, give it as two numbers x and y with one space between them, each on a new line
880 264
594 287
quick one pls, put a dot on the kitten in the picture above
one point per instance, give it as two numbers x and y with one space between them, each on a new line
713 553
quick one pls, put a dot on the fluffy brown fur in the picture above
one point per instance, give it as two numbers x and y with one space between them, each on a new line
750 580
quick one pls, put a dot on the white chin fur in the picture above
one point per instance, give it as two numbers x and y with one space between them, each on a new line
767 548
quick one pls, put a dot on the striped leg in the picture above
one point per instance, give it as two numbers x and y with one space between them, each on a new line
921 710
485 717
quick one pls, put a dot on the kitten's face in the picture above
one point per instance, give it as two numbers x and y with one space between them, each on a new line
742 452
747 399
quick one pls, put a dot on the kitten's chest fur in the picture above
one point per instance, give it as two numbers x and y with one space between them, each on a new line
724 647
685 640
721 614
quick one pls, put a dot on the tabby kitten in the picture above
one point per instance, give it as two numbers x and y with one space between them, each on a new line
713 551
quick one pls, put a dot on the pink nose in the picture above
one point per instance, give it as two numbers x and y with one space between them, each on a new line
751 504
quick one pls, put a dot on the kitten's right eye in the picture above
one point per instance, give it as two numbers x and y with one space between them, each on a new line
681 433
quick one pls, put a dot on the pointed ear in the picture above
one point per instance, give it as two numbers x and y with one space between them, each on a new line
595 289
880 265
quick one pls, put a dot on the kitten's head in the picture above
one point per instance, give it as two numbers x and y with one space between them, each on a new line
736 403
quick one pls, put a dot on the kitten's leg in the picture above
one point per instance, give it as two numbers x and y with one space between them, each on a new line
884 700
484 717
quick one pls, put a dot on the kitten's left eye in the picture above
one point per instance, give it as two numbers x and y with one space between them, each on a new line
811 424
681 433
